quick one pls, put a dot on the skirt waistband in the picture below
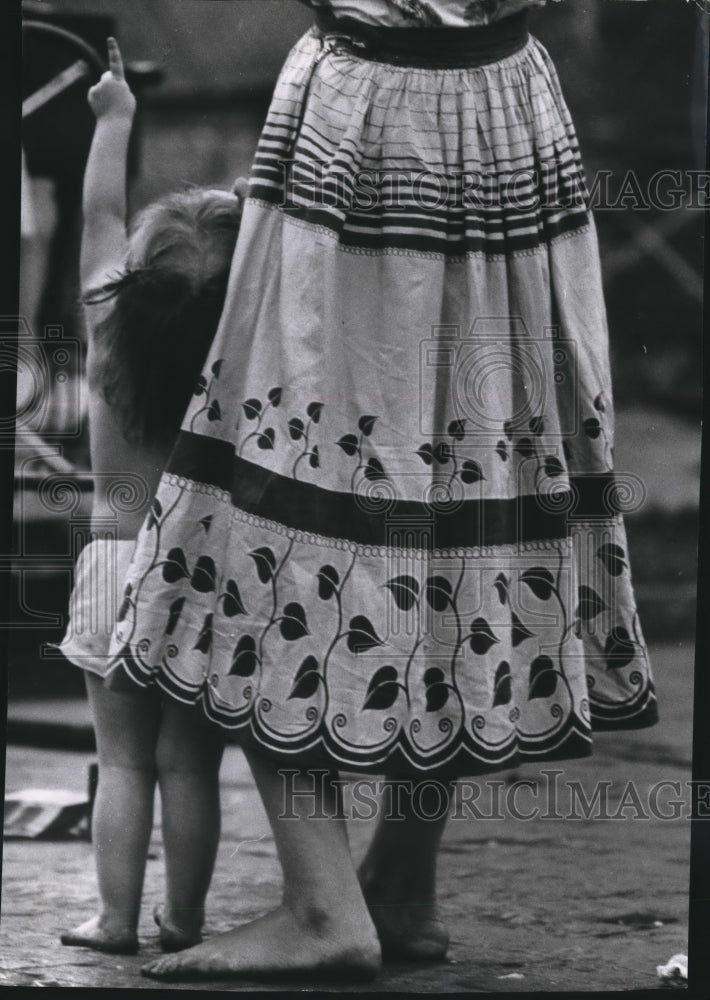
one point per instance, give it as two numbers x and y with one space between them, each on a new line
438 48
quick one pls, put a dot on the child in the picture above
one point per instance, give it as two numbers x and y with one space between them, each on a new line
153 302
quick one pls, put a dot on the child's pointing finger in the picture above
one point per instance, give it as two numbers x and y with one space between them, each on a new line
115 62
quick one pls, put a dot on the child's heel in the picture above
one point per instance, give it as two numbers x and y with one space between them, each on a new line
174 938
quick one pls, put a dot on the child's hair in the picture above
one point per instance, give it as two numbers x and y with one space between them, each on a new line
165 310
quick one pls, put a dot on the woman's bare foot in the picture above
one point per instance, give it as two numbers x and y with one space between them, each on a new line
102 934
409 931
284 942
175 936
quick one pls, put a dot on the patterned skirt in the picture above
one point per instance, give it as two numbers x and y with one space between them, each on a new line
390 537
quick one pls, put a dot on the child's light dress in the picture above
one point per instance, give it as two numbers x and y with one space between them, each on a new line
95 602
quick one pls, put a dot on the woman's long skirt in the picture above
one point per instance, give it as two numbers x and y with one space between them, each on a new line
390 537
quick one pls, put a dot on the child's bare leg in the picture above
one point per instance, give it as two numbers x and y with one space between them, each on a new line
322 927
126 727
398 873
188 756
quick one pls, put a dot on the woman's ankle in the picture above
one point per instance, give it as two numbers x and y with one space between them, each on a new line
332 918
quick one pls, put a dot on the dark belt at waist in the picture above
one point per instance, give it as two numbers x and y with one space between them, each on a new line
435 48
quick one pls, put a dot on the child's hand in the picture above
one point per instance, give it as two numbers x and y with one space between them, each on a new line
111 97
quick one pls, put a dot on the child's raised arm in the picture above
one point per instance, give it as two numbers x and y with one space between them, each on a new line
104 242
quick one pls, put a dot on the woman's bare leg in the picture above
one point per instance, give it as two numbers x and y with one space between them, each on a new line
398 873
322 927
188 756
126 727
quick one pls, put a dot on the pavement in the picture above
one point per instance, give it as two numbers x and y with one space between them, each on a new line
534 905
544 904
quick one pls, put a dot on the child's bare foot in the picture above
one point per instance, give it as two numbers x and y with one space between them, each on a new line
398 876
102 934
176 936
283 942
408 930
